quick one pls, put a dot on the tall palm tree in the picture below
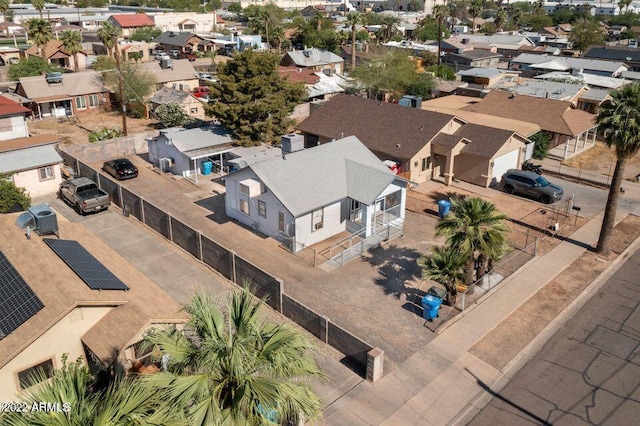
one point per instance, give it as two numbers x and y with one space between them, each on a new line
500 18
4 9
619 119
38 5
40 32
230 367
388 28
538 7
126 401
440 12
446 266
516 16
108 33
473 226
353 19
474 11
72 41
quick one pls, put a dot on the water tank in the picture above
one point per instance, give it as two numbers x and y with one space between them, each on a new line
291 143
39 218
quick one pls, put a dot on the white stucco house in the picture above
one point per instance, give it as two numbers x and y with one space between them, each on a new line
32 163
13 123
305 197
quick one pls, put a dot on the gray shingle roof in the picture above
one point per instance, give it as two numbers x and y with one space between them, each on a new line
174 38
313 57
609 54
167 95
186 140
182 70
28 158
313 178
73 84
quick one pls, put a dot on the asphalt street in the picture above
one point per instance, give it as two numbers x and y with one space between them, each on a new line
588 372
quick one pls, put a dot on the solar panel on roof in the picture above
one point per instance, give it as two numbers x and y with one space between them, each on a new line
87 267
18 302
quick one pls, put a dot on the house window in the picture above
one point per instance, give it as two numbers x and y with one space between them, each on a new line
93 101
244 206
355 211
426 164
392 200
281 221
244 189
317 220
194 110
81 102
35 374
46 173
262 208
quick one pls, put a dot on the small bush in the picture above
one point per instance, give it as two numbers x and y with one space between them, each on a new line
105 133
541 142
11 195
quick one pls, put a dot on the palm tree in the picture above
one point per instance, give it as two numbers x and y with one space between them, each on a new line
474 11
40 32
538 7
38 5
72 41
619 119
230 367
473 226
277 37
388 28
125 401
440 12
500 18
4 9
107 34
516 16
353 19
444 265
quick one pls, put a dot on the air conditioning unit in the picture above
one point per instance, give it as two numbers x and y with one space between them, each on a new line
319 225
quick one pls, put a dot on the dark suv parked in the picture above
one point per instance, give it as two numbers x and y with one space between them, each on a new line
531 184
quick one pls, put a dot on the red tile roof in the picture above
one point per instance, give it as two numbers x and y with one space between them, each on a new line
134 20
298 75
9 107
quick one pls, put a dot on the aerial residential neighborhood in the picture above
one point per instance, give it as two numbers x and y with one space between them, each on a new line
336 213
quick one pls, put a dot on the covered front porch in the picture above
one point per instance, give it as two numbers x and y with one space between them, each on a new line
214 155
574 145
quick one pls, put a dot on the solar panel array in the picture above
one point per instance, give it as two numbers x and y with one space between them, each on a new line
87 267
18 302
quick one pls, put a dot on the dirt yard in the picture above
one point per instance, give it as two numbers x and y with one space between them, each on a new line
601 159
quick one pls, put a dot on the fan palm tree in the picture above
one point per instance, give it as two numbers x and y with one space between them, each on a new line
473 226
500 18
388 28
444 265
619 119
126 401
108 34
440 12
38 5
230 367
72 41
353 19
4 9
40 32
474 11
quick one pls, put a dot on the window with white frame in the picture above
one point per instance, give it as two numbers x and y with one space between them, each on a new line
46 173
317 220
281 221
426 164
93 101
355 211
262 208
244 206
35 374
81 102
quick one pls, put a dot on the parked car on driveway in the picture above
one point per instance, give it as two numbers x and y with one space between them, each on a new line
120 168
201 92
84 195
161 55
532 185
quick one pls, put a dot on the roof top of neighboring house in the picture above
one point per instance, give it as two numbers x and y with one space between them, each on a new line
73 84
598 95
9 107
558 32
182 70
631 75
482 72
51 49
175 38
550 114
313 57
613 54
489 139
28 153
324 175
476 54
585 78
192 142
502 40
327 85
567 63
383 127
541 88
298 75
167 94
61 290
540 49
133 20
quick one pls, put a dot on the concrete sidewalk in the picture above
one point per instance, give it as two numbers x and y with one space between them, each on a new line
440 383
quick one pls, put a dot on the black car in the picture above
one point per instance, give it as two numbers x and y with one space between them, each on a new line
120 168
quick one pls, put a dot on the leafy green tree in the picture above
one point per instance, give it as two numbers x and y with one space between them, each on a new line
619 120
541 142
234 8
125 402
500 18
565 15
145 34
474 226
422 86
39 31
104 63
11 195
254 102
72 41
443 71
30 67
38 5
172 115
105 133
318 32
389 28
4 9
108 35
474 10
138 85
537 22
428 30
444 265
586 33
234 368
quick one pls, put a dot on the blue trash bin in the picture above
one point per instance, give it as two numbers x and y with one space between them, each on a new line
430 306
207 167
443 208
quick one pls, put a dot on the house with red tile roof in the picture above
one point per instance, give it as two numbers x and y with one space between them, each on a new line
13 123
127 24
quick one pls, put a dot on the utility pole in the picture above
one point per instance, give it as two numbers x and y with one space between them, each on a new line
120 86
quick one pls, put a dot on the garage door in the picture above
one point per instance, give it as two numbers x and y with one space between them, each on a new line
505 162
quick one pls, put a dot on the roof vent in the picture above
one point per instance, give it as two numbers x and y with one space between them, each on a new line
306 53
397 145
